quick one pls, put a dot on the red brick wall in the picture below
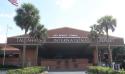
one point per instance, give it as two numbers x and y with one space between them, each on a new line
95 58
65 63
10 60
31 56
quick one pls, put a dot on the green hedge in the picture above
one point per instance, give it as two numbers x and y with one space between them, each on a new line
103 70
28 70
8 66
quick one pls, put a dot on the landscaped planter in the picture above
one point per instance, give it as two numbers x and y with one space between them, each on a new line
28 70
103 70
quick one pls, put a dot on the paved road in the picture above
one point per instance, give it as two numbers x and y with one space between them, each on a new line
2 72
75 72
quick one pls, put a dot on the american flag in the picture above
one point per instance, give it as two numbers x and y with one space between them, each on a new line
14 2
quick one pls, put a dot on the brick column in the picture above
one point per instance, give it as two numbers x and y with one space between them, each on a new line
37 48
31 57
95 56
21 57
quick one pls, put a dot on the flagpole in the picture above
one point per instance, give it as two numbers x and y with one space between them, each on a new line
15 3
4 57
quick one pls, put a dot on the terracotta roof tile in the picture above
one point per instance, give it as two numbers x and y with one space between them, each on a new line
8 48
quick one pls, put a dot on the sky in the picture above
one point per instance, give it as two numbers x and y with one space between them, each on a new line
79 14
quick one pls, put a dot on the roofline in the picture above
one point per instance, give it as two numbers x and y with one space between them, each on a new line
68 28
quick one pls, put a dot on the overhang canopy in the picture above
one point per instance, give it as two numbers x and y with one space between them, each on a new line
8 49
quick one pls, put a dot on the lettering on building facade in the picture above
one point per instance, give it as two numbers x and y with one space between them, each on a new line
59 40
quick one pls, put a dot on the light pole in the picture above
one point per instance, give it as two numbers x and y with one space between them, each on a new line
5 47
4 52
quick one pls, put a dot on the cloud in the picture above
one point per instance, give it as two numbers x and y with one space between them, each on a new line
7 15
2 38
65 4
2 35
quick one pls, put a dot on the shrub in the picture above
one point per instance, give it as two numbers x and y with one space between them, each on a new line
103 70
28 70
8 66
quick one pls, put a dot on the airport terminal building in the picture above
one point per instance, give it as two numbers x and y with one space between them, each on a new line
65 48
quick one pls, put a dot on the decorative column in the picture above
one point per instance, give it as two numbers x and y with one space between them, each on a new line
95 56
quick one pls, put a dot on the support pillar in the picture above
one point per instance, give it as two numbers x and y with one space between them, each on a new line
31 57
95 57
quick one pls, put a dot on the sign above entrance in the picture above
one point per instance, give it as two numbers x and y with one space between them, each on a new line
64 35
29 40
70 40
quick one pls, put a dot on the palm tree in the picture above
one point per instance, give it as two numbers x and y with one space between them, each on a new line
108 23
39 33
94 37
27 18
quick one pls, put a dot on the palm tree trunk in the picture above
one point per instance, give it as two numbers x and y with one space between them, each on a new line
37 48
109 50
99 58
97 54
110 54
24 51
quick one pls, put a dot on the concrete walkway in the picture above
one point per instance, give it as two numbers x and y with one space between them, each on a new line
67 72
74 72
2 72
